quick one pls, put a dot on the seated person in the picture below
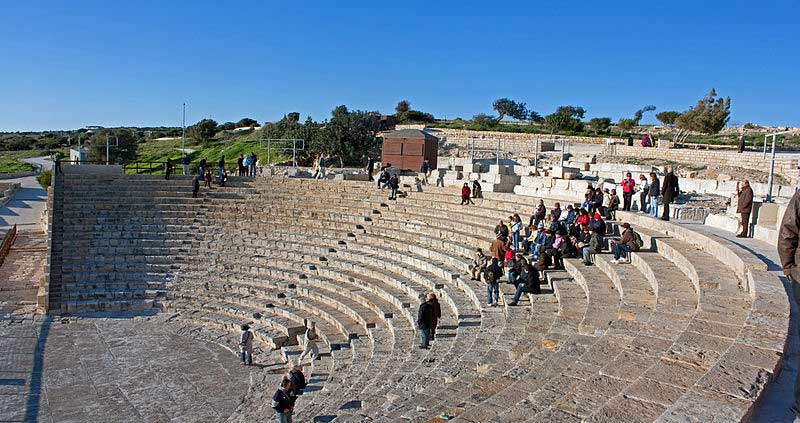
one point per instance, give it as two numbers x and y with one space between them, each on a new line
478 264
529 284
624 245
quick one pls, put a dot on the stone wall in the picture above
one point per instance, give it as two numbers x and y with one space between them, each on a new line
516 143
785 166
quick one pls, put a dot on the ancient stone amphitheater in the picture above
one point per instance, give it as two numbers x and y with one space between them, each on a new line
692 330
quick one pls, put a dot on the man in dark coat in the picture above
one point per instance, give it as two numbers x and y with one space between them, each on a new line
195 186
425 316
669 192
370 168
744 207
787 250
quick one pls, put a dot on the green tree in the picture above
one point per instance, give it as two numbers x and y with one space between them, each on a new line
708 116
637 117
203 131
599 124
483 122
625 125
507 107
347 136
122 145
668 118
246 123
293 117
227 126
403 106
339 111
565 118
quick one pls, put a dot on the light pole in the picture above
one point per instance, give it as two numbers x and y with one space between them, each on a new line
772 162
183 130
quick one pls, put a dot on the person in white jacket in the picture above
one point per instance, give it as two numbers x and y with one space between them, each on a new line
310 344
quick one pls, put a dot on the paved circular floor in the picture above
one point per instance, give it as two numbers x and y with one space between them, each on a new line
129 369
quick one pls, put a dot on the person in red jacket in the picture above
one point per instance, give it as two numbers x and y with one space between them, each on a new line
465 193
628 185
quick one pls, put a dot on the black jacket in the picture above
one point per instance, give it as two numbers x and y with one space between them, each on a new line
532 282
669 191
425 315
298 380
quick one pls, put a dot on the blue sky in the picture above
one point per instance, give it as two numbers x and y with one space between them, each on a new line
70 64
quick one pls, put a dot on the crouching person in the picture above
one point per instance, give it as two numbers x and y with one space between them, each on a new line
530 284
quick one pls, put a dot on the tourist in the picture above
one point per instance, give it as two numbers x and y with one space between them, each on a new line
626 243
240 165
611 213
425 323
516 228
597 201
557 251
478 263
654 194
437 313
744 206
741 144
370 167
539 214
569 217
223 178
167 169
282 402
593 246
57 163
555 212
491 277
203 165
644 191
787 250
424 169
645 141
477 190
543 261
628 186
597 224
502 229
321 164
465 194
253 163
246 345
394 185
530 284
583 217
606 203
298 379
310 344
440 177
383 178
207 178
512 267
669 192
221 165
195 186
538 240
185 163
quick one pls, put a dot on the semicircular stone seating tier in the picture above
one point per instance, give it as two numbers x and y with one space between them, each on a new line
694 326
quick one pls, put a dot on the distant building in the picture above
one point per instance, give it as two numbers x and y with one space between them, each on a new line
93 127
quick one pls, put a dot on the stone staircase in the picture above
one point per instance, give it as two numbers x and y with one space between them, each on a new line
693 326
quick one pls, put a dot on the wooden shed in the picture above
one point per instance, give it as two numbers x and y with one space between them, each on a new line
407 148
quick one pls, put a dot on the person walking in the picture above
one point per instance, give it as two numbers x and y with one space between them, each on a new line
654 192
744 206
298 379
465 195
185 163
203 166
240 165
195 186
282 402
310 344
492 279
207 178
370 168
644 191
221 165
477 190
498 247
437 313
788 239
167 169
321 164
425 318
246 345
424 169
669 192
628 186
253 163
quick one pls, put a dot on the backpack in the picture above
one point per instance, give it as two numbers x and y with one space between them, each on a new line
489 278
637 240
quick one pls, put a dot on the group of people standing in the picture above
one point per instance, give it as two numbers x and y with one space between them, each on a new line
652 193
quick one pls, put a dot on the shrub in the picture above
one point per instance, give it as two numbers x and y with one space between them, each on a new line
45 178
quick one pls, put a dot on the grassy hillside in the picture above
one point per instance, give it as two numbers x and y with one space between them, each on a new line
9 160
